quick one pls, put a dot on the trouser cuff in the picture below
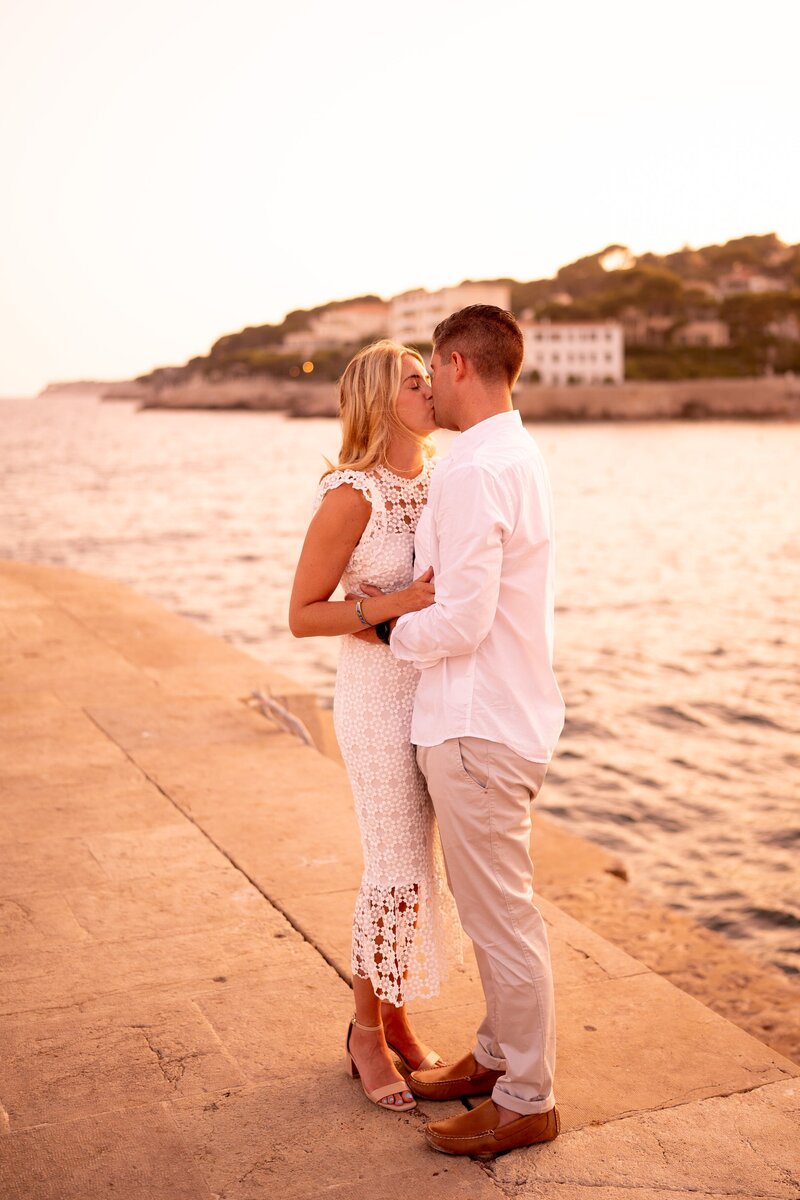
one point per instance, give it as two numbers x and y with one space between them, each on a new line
482 1056
523 1107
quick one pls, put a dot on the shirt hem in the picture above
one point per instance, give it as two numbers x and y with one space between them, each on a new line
538 756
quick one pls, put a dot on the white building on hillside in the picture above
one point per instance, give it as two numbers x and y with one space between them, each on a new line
706 332
413 316
344 325
561 352
742 279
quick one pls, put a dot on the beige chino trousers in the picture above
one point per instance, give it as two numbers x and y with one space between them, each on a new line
482 793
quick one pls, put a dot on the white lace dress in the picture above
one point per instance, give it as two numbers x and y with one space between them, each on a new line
406 932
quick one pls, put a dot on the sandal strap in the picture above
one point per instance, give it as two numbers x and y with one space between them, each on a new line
430 1060
391 1089
371 1028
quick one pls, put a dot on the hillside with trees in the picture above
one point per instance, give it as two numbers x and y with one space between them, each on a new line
745 292
721 311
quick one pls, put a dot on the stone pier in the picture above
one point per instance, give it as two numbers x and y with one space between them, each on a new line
177 875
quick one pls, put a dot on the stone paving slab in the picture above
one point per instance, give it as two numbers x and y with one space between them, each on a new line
109 1054
269 1037
175 897
605 1035
146 907
57 652
133 1153
310 1136
44 979
746 1145
195 721
71 740
292 821
38 921
155 852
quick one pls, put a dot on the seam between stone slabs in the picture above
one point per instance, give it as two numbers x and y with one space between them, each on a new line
622 1190
295 924
643 969
659 1108
145 1105
170 1119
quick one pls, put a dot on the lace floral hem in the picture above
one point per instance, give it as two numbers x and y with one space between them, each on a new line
400 943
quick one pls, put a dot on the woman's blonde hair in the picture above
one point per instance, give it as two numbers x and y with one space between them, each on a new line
368 391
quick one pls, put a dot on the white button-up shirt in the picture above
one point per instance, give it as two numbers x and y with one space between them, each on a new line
485 647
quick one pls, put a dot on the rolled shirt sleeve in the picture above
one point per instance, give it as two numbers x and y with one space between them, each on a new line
471 523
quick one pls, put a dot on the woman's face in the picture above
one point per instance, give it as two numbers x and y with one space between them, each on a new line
414 402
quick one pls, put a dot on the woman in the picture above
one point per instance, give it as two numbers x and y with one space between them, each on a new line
362 535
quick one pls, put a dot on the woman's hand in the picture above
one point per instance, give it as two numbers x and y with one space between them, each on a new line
419 594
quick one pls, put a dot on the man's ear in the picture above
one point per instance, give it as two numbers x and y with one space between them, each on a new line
459 366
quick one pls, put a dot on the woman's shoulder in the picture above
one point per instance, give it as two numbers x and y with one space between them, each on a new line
350 486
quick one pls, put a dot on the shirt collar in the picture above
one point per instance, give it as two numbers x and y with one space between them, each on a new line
485 431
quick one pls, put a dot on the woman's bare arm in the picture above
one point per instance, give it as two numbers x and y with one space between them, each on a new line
332 536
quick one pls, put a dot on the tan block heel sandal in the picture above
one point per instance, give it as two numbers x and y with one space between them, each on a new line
380 1093
432 1059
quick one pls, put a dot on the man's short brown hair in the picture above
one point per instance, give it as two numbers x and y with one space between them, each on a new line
487 336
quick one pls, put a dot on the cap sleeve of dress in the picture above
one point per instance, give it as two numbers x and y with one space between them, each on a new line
356 479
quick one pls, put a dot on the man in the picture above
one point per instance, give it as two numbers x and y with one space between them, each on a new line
487 715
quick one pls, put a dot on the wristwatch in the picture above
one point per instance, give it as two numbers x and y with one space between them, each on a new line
383 630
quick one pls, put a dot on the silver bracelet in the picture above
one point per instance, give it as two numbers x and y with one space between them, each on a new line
361 616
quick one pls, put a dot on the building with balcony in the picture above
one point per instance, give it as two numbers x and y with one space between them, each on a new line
560 352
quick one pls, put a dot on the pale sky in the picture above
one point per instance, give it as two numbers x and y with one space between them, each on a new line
173 170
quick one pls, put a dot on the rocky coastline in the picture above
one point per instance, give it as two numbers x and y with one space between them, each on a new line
771 397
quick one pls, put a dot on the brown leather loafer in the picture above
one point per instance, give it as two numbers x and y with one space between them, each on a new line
463 1078
476 1133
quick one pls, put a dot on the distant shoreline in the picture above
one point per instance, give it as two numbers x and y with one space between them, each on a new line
767 398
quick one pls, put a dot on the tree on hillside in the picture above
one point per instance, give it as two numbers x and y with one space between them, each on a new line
749 315
587 275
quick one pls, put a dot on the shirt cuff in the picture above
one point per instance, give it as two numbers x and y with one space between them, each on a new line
394 641
403 652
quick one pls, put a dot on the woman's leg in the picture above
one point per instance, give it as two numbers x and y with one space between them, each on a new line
368 1046
394 1017
400 1033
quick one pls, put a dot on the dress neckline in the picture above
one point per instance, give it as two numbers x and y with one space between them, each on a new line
404 478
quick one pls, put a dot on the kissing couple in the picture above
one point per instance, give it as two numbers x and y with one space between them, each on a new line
447 712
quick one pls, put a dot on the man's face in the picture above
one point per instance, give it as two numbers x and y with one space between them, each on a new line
444 398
